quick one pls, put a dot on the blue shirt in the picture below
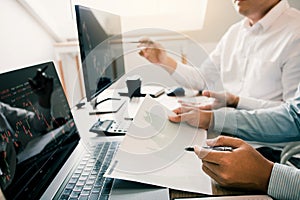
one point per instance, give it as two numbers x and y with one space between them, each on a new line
277 124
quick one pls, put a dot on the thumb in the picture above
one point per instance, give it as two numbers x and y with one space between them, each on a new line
216 95
200 152
206 93
225 141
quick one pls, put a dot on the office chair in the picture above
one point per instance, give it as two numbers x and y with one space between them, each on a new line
289 151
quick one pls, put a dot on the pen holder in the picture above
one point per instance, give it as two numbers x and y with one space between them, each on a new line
134 86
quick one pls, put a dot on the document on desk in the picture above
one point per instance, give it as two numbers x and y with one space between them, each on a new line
153 152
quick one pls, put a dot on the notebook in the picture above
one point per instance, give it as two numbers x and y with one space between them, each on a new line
41 153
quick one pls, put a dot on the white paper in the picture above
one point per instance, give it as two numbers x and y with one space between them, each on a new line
153 152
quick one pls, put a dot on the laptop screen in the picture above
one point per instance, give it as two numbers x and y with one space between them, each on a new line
37 131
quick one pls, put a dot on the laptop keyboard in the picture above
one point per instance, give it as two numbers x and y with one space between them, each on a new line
87 181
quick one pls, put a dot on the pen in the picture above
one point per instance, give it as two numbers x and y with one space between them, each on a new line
216 148
130 42
44 69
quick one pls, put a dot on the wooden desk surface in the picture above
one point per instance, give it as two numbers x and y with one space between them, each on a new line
217 190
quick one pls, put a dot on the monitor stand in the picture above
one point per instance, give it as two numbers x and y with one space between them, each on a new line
108 105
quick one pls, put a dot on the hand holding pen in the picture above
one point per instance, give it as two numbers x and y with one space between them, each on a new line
232 162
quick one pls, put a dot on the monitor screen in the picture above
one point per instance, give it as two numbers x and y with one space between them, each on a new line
37 130
101 57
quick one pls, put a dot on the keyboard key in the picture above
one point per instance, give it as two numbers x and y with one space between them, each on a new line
78 188
85 192
64 197
104 197
70 185
93 196
83 198
74 194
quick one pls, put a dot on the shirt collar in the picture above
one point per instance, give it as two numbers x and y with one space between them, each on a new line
267 21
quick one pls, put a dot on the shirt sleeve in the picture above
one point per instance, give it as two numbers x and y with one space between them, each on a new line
203 74
188 76
279 124
284 182
249 103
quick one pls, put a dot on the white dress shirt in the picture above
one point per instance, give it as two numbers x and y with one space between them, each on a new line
260 63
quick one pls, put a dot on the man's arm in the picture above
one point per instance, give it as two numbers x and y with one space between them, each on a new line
278 124
201 76
202 72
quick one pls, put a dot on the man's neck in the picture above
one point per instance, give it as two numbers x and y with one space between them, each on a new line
255 17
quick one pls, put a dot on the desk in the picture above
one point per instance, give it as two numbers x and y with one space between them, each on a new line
85 121
217 191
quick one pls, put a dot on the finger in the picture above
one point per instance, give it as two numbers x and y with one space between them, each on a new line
216 95
210 173
216 157
142 53
225 141
182 117
147 44
186 102
215 168
182 109
206 107
145 53
201 152
210 155
145 40
176 118
206 93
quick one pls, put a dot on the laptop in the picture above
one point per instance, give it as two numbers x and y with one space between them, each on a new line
41 153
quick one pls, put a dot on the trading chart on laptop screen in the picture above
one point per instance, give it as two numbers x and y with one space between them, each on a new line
37 131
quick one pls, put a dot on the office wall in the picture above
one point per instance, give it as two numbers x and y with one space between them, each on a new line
22 39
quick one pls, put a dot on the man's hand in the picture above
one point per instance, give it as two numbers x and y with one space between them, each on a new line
155 53
42 86
193 117
244 167
221 99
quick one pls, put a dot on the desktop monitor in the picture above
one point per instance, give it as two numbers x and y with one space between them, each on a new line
101 56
